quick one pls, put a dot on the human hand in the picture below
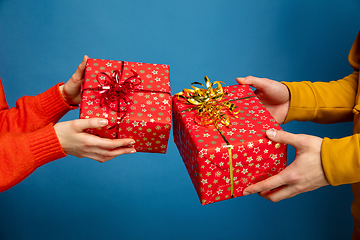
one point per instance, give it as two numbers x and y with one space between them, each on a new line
304 174
274 95
78 143
71 90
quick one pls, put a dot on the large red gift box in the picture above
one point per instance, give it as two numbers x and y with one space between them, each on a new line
134 97
208 149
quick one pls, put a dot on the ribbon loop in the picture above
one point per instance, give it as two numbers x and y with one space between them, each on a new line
208 103
115 92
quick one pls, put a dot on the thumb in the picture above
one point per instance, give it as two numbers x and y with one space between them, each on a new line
258 83
82 124
282 137
79 73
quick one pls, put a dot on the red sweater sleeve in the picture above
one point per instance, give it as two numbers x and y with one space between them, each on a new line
27 136
22 153
32 113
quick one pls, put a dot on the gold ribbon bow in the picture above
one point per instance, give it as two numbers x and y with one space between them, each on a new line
210 110
208 103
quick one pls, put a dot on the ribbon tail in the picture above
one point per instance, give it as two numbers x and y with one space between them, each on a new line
231 172
231 169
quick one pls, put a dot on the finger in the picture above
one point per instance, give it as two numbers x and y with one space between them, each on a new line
97 157
279 194
82 124
111 144
284 137
258 83
79 73
106 153
102 155
266 185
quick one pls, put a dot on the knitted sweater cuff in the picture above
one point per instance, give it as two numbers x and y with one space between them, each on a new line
45 145
54 104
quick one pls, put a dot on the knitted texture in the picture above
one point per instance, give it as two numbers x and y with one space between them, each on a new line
28 138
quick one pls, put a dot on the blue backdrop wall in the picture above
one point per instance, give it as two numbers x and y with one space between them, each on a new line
150 196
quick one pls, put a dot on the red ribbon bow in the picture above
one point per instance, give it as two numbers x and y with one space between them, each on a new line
115 92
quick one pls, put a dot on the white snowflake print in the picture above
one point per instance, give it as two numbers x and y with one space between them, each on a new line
250 145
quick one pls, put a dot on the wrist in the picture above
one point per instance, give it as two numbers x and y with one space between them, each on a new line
68 100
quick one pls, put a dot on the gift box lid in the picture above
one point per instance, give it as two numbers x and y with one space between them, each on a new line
154 77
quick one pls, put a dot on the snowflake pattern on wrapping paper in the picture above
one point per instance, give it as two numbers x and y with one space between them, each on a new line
206 156
148 119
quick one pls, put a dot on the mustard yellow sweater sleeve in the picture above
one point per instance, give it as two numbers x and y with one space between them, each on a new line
331 102
323 102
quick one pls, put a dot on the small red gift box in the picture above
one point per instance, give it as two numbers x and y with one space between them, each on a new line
220 134
134 97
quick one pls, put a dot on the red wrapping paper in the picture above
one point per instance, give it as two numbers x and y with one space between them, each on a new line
147 117
206 155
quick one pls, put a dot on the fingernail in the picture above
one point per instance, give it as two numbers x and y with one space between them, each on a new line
245 193
103 122
133 151
271 133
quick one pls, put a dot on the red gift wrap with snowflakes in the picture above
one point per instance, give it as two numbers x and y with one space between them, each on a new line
134 97
207 151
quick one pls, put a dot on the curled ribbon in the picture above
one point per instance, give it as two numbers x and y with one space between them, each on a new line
210 110
114 89
208 103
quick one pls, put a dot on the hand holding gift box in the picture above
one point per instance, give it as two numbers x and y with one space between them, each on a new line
134 97
220 133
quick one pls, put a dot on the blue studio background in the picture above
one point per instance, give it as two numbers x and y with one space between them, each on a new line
150 196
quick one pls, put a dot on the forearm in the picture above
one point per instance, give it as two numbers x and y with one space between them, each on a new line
323 102
32 113
23 153
341 159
